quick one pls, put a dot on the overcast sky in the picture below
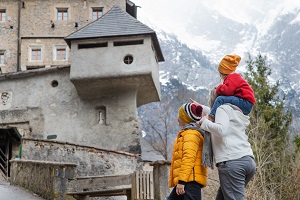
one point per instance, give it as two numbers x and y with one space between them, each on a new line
174 13
173 16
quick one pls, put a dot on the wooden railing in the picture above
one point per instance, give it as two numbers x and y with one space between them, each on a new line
136 186
142 185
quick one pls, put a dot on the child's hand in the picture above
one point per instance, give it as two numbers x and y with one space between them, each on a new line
210 118
180 189
199 123
195 102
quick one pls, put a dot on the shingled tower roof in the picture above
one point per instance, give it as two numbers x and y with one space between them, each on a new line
115 23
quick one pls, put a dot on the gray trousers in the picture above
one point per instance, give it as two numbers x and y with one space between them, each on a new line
234 175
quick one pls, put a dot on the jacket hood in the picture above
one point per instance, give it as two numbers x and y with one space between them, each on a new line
245 119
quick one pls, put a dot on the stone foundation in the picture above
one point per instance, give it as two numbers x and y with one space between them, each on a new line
47 179
90 161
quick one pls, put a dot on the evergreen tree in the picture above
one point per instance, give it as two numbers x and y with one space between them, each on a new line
269 134
269 106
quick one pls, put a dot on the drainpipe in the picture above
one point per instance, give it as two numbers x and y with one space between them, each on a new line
19 36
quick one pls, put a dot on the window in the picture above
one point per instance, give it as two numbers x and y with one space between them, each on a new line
92 45
2 15
35 67
132 42
62 13
61 54
128 59
1 58
101 115
97 12
36 54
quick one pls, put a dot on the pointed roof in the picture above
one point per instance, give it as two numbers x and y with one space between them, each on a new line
115 23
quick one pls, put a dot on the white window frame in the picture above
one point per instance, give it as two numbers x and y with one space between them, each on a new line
61 9
96 9
35 47
55 52
2 19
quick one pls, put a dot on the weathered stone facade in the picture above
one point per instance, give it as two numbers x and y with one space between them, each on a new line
81 108
43 108
101 71
28 25
48 46
47 179
90 161
9 35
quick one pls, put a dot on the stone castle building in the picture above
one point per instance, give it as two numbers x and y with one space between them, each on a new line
73 73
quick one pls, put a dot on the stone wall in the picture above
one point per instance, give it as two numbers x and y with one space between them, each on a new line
52 180
49 47
47 179
9 35
46 103
47 166
90 161
37 15
35 24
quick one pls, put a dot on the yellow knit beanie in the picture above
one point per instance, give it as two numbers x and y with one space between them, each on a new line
229 63
190 112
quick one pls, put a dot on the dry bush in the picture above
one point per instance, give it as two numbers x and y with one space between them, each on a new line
278 173
277 176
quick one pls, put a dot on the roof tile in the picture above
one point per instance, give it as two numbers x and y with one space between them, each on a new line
115 22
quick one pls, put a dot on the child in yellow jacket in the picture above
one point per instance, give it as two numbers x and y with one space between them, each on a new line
187 174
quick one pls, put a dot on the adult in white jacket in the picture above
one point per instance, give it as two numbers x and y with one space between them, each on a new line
232 151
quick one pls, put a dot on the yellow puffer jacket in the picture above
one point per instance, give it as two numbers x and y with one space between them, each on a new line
187 158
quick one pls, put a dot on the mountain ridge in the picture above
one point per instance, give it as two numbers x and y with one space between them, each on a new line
197 68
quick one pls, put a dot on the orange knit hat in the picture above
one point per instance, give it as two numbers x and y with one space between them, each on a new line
229 63
190 112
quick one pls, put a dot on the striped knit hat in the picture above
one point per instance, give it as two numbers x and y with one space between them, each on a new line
190 112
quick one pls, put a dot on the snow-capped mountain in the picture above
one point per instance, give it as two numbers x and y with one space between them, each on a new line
281 42
193 50
187 65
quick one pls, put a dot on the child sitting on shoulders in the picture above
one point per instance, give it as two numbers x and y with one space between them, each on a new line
234 89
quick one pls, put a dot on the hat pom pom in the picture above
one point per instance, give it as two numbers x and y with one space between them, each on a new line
199 110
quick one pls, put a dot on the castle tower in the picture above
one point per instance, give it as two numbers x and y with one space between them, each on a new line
116 54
